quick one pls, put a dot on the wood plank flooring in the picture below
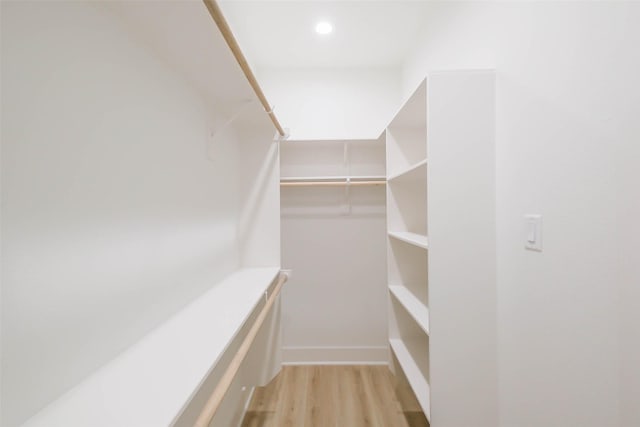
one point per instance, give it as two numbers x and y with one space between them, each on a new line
332 396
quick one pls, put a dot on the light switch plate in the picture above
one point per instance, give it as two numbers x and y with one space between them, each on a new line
533 232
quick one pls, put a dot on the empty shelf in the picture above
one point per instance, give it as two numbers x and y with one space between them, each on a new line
415 239
418 311
417 381
413 169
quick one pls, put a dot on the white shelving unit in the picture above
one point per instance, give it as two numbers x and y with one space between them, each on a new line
441 246
408 244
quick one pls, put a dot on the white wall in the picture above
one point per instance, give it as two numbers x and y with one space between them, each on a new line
334 306
318 103
567 131
113 216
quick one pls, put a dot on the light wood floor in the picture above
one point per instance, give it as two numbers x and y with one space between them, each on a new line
332 396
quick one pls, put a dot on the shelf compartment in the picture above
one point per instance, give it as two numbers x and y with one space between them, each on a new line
418 311
413 374
419 240
407 201
405 148
406 135
408 267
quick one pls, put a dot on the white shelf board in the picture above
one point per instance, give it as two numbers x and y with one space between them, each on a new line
332 178
150 383
418 311
415 168
417 381
415 239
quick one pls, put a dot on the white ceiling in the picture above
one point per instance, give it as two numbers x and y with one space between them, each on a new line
366 33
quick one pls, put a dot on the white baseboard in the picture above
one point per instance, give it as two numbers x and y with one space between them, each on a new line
335 355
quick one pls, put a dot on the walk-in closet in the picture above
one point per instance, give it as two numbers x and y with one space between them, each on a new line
309 213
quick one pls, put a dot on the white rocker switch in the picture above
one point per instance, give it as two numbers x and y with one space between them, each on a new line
533 232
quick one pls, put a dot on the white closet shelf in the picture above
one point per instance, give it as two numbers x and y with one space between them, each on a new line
418 311
417 381
150 382
415 239
413 171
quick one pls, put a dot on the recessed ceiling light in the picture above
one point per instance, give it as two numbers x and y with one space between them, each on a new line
324 27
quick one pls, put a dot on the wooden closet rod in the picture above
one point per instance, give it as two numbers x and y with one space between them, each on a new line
223 26
328 183
215 399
